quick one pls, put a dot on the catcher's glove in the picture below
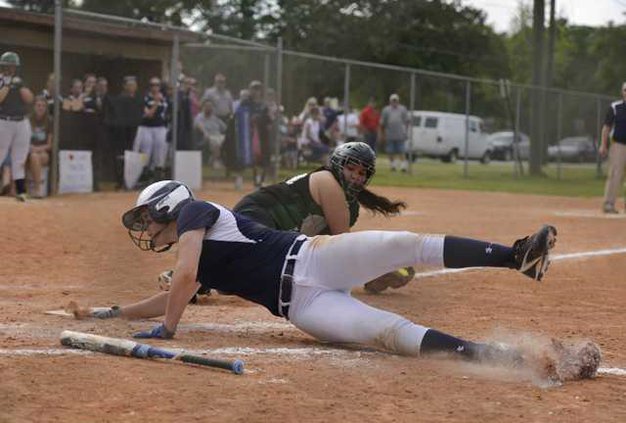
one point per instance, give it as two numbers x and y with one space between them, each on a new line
394 279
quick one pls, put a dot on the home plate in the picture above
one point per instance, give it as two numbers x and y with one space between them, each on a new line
65 313
597 214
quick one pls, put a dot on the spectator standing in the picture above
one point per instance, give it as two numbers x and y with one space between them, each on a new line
310 139
74 101
152 132
244 96
104 146
349 126
330 115
14 128
260 135
48 93
394 124
221 97
185 119
369 121
306 110
90 102
195 103
615 127
125 119
40 144
212 130
103 100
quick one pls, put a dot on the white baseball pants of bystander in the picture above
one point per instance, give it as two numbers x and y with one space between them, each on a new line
15 136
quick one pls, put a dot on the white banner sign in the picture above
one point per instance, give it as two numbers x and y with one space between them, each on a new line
134 163
189 168
75 171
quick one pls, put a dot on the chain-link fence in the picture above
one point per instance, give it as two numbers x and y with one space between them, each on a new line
476 122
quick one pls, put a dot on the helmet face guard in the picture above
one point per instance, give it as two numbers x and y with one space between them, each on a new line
354 153
162 202
140 237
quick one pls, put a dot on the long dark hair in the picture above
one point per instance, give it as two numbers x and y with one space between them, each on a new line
379 204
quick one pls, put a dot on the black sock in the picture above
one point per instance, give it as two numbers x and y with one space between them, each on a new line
439 342
20 186
465 252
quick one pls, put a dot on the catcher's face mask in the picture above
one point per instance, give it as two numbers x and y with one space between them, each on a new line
355 176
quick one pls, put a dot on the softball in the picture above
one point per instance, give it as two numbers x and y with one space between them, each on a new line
403 272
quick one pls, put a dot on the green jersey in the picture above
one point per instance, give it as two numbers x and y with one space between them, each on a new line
290 206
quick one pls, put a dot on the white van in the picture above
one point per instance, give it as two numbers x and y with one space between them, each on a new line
442 135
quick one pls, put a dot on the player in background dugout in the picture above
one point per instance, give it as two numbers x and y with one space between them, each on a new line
15 129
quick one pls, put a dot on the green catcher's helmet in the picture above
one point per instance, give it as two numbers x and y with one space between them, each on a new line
10 58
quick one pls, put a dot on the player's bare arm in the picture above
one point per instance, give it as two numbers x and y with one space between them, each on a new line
27 95
327 192
184 284
4 91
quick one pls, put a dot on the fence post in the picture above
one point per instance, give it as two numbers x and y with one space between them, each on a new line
599 138
518 113
559 128
346 97
468 94
54 160
174 81
266 70
411 108
279 101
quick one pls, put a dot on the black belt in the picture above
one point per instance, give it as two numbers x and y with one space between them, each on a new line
12 118
286 279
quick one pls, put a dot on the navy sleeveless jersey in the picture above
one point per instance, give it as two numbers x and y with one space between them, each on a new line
239 256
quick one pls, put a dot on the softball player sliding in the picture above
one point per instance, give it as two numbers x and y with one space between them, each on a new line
306 280
325 201
15 129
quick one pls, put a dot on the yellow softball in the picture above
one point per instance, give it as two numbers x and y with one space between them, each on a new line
403 271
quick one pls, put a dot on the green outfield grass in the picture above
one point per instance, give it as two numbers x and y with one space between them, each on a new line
577 180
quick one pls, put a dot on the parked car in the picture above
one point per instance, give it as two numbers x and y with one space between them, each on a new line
442 135
574 149
502 145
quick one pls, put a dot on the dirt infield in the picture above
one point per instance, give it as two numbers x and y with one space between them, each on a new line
74 248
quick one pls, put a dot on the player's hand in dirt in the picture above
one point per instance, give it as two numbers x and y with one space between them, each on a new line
108 313
160 332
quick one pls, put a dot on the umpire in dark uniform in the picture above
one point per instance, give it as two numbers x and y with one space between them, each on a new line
15 129
615 128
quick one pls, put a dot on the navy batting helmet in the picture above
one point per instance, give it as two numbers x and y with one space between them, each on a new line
163 200
358 153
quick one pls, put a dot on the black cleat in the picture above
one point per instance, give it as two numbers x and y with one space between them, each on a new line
532 253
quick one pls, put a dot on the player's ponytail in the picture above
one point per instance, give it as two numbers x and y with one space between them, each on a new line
379 204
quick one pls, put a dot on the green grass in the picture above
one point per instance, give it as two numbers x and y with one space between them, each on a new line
575 180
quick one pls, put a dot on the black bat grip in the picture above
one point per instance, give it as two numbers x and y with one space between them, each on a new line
234 366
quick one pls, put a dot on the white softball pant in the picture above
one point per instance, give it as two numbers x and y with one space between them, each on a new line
15 136
326 269
151 140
